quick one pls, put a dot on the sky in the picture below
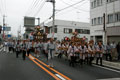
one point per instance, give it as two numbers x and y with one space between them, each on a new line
15 10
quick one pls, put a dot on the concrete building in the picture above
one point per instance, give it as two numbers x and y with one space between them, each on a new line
111 9
65 28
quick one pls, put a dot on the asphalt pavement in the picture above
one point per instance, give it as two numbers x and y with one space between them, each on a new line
12 68
83 73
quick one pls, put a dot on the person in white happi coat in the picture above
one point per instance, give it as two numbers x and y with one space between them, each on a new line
5 46
45 51
40 47
51 52
17 47
29 46
24 50
20 42
62 46
91 53
83 50
9 46
14 45
77 52
99 53
58 50
37 49
71 54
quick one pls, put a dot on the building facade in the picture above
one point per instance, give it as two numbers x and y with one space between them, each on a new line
65 28
111 9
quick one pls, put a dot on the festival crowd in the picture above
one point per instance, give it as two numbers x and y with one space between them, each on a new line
74 52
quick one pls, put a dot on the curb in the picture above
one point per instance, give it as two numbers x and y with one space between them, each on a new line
114 65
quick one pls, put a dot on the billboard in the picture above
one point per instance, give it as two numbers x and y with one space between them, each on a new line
29 21
7 28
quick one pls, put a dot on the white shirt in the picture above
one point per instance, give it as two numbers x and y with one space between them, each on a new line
83 50
45 46
113 45
51 46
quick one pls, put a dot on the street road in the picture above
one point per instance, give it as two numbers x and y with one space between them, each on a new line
12 68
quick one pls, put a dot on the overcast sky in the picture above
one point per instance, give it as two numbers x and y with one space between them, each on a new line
15 10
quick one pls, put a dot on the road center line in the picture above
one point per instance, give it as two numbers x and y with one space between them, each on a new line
60 77
31 57
52 69
44 69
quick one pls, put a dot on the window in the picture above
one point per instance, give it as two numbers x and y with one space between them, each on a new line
117 17
94 21
108 1
50 29
99 2
82 31
96 3
86 31
92 5
67 30
55 29
99 20
78 30
110 18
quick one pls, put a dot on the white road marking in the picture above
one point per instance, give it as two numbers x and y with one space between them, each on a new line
1 49
107 69
60 77
31 57
110 79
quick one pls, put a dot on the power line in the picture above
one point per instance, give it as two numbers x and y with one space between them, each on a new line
75 7
37 7
64 9
40 8
0 11
5 7
34 5
1 8
31 6
72 9
71 5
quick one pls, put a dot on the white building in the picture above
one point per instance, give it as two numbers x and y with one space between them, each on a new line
111 9
65 28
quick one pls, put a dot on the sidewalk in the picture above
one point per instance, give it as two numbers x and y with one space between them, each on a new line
115 65
112 64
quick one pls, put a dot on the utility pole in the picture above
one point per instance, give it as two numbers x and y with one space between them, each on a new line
53 18
104 29
53 22
3 26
